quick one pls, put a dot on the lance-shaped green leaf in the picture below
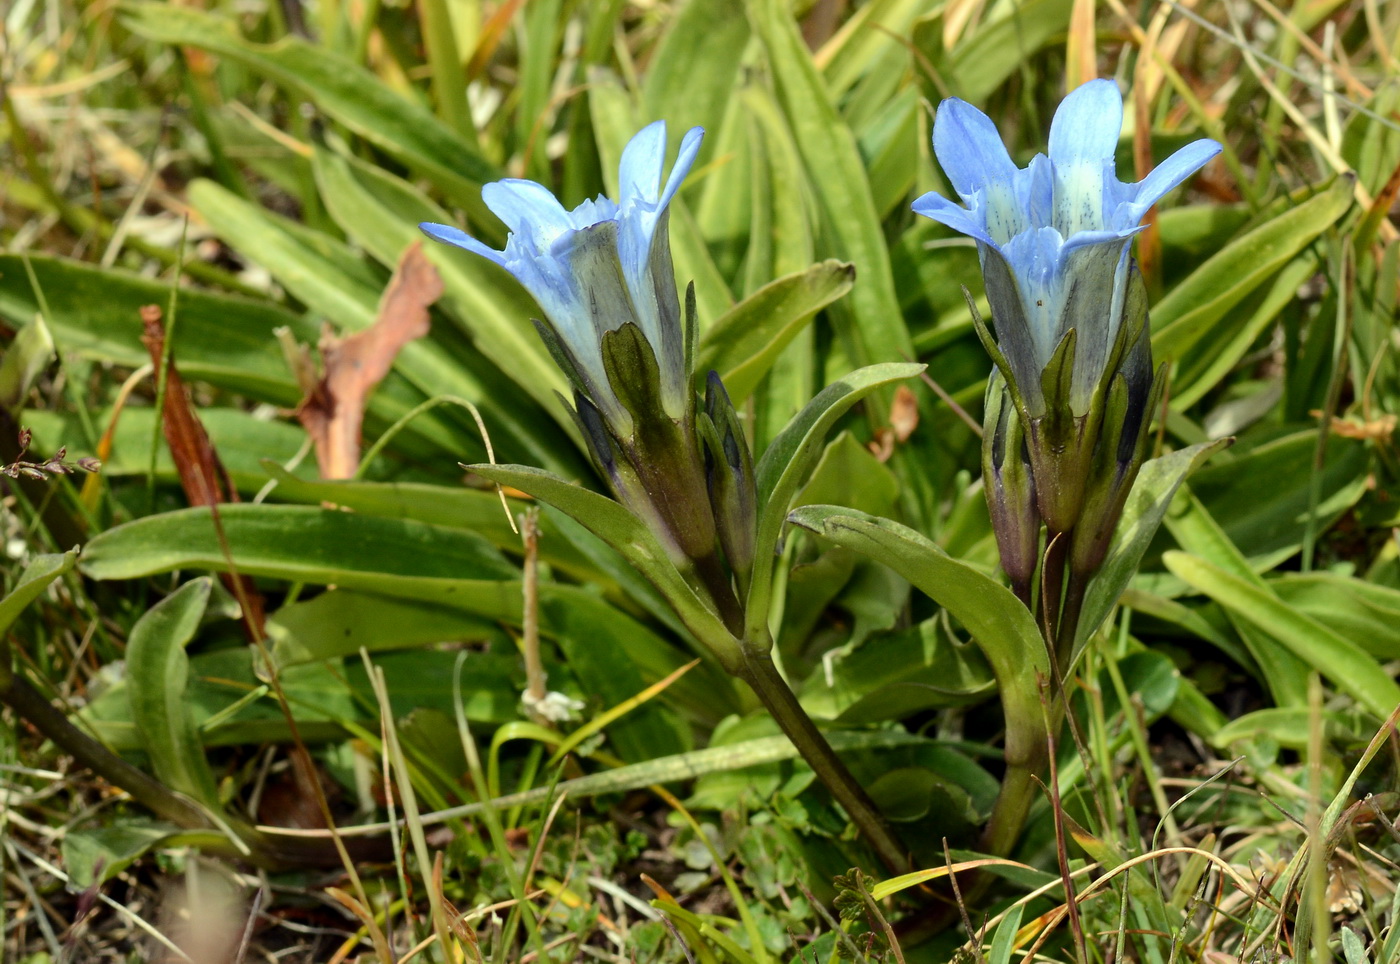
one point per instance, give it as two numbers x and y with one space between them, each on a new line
158 674
784 467
35 578
1288 726
228 341
306 544
1366 613
1285 491
1195 309
1206 365
1347 665
94 313
240 438
690 77
1147 504
1198 533
743 344
457 507
622 530
851 228
94 855
1001 625
980 63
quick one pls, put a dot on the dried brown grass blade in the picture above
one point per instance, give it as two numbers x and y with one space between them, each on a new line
202 475
333 410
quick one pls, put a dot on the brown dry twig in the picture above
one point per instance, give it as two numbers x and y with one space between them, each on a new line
333 408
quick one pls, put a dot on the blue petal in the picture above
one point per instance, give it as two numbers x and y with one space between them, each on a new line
456 236
1087 124
1034 258
955 216
1007 296
1035 191
591 211
690 147
1168 175
556 292
1002 201
604 301
639 174
643 250
1086 238
969 147
530 211
1080 189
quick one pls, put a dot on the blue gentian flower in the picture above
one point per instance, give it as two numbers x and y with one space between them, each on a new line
1054 236
603 275
598 267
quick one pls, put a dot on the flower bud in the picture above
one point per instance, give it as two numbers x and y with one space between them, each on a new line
729 474
1010 487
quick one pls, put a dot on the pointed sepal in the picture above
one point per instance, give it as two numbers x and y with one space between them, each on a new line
729 472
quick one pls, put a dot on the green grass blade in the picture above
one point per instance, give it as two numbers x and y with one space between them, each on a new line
305 544
746 341
36 577
876 329
343 89
786 463
1343 662
1192 313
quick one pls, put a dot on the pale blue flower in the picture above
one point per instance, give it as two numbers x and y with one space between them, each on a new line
600 266
1053 237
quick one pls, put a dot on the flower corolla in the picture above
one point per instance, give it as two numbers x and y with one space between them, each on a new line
599 267
1053 237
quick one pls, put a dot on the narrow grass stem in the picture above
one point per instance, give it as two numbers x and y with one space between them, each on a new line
33 707
760 673
1076 925
1052 581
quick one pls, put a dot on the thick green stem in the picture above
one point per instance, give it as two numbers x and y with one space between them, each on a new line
760 673
1018 790
1027 752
